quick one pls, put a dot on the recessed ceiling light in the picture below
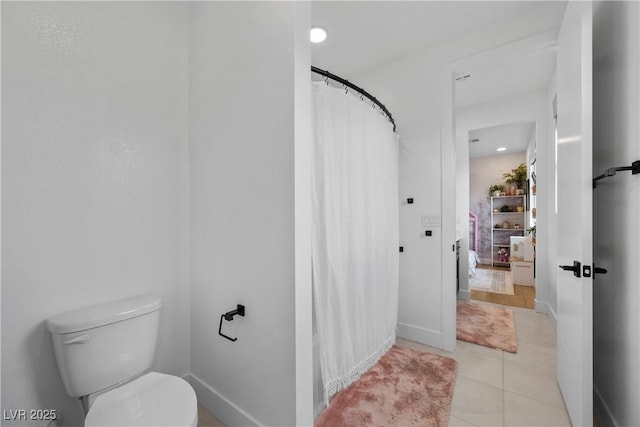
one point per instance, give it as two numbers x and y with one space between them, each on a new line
501 149
318 34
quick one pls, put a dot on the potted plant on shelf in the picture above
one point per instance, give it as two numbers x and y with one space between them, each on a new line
517 176
532 232
495 190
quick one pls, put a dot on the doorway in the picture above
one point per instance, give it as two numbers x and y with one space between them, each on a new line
499 115
454 158
501 254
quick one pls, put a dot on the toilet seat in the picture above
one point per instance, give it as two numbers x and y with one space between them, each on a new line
153 399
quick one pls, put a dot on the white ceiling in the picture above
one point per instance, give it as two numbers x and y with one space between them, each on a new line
517 77
365 34
514 136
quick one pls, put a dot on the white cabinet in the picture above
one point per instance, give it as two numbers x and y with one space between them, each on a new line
522 272
522 249
507 219
522 257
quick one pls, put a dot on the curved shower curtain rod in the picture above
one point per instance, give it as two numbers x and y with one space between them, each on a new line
358 89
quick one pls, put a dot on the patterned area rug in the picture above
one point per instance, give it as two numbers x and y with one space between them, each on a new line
498 281
486 325
407 387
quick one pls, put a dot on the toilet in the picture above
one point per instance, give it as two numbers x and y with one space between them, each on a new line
103 354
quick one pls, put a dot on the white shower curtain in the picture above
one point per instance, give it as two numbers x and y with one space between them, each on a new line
354 234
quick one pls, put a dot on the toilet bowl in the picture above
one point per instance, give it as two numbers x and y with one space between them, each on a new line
104 354
152 399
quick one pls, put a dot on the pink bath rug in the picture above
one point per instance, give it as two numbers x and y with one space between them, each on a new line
486 325
407 387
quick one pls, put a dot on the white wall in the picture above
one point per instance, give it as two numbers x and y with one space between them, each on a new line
304 338
616 103
462 211
94 179
242 209
547 217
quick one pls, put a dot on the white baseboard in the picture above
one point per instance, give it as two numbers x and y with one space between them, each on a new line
420 335
223 409
601 410
543 307
464 295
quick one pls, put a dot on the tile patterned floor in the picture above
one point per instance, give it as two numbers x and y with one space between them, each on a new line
496 388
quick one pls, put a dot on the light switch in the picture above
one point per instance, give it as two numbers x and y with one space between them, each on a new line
431 220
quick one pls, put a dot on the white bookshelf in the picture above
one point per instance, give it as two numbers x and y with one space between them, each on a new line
510 222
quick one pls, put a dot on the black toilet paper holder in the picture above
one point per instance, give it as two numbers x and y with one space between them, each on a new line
229 317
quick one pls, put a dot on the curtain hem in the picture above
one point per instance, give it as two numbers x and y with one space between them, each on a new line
336 384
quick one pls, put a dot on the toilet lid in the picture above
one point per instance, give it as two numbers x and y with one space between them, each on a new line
154 399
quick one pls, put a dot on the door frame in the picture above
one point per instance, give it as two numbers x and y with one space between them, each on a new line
521 48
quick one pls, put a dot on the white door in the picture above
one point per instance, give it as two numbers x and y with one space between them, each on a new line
574 145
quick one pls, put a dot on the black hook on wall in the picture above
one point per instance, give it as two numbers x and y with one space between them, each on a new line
228 316
634 168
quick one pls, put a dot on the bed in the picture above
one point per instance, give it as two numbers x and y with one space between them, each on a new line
473 243
473 231
473 262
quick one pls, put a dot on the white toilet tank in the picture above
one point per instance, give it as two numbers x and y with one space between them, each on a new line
100 346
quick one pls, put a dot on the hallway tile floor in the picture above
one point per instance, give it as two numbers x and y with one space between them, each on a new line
497 388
